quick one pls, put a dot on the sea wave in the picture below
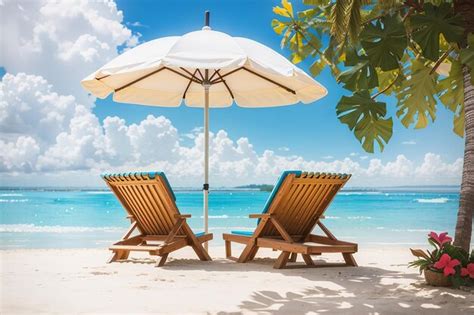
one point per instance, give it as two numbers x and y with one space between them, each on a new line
32 228
11 195
331 217
359 193
432 200
13 200
99 192
359 217
231 228
411 230
224 216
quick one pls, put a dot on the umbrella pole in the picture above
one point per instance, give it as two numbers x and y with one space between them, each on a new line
205 188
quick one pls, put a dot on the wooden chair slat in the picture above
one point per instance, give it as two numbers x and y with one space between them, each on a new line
295 210
150 202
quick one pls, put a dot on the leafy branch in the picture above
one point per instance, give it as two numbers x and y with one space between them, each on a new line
385 89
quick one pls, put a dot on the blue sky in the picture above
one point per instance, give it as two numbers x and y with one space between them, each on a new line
309 130
48 50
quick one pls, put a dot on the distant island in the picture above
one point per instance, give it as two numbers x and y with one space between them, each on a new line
262 187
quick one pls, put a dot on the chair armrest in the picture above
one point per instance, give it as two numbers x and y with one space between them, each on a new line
182 216
259 215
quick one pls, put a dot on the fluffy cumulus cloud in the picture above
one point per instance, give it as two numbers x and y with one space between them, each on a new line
61 40
44 132
49 131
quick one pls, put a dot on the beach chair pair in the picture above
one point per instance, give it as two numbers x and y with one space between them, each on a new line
293 210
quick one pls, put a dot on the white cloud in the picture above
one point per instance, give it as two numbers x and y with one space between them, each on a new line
434 168
63 41
409 142
354 154
328 157
48 128
136 24
285 149
19 155
364 157
29 106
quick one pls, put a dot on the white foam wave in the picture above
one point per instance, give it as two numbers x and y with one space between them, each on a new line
359 217
99 192
231 228
411 230
432 200
11 195
331 217
13 200
359 193
32 228
224 216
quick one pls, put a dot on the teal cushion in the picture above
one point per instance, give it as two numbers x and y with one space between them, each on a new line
245 233
277 187
199 234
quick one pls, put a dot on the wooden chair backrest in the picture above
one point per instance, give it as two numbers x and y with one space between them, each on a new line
301 200
148 198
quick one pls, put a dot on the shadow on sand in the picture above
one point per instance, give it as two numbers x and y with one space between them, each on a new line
336 290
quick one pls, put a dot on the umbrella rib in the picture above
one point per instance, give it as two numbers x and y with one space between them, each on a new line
189 84
215 72
183 75
152 73
200 74
139 79
103 77
254 73
228 73
225 83
270 80
193 75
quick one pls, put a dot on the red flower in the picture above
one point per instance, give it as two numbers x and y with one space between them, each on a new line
469 271
441 239
447 264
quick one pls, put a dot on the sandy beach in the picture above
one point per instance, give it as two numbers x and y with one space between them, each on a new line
79 281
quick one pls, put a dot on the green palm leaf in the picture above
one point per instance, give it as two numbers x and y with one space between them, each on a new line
428 27
366 118
416 101
385 42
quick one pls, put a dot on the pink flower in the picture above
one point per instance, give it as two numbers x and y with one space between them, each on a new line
441 239
469 271
447 264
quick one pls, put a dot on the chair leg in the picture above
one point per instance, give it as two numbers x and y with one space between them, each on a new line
308 260
247 252
349 259
293 257
124 255
228 249
253 253
282 260
114 257
201 252
162 261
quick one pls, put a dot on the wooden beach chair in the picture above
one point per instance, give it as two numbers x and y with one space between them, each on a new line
151 207
294 208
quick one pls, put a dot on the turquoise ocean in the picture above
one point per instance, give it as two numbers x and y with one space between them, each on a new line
48 218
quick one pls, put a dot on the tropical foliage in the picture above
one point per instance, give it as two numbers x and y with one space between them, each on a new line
410 50
452 261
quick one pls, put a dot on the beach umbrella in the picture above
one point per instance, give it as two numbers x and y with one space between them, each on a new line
206 69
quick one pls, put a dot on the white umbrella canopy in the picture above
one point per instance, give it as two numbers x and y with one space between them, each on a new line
206 69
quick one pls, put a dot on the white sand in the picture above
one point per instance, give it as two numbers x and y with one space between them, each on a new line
79 281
